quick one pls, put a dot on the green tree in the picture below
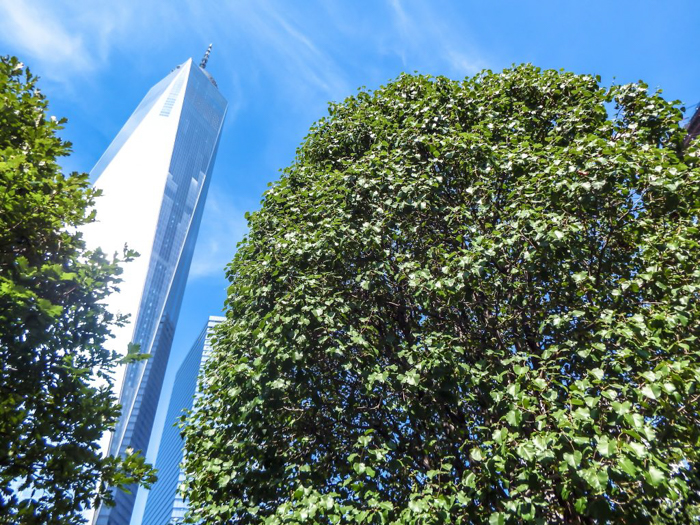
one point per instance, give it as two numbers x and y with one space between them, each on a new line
55 383
464 302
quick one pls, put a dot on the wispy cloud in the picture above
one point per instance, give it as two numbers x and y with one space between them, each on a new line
317 66
272 43
404 26
68 41
463 63
43 37
223 226
426 35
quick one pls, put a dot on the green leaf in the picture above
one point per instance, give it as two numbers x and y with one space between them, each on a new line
651 391
539 383
469 480
638 448
606 447
360 468
597 373
475 454
526 451
514 417
497 518
500 435
635 420
573 459
655 476
596 477
627 466
621 408
134 355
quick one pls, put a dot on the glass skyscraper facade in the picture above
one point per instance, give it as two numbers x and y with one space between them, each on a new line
154 178
164 504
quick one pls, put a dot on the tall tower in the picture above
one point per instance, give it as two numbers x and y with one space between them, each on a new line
154 178
165 505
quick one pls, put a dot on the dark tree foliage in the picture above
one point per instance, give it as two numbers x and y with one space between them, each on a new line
464 302
55 387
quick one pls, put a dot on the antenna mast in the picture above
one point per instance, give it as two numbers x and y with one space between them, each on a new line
203 63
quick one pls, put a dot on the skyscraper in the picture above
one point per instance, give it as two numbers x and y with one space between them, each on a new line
164 505
154 178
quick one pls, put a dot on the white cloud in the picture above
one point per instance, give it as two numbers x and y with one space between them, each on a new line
318 66
38 32
68 41
223 226
427 36
463 64
269 43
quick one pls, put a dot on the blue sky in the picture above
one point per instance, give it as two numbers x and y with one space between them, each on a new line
279 62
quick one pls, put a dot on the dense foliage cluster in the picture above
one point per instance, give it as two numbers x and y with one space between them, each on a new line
464 302
55 391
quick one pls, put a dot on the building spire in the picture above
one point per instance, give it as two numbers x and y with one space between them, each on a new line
203 63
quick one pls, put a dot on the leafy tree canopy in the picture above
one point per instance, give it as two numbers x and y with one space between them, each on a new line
464 302
55 386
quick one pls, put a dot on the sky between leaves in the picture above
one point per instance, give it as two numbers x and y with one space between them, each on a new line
279 63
